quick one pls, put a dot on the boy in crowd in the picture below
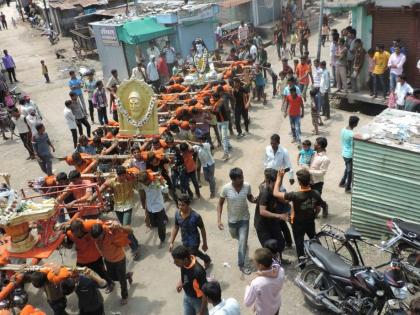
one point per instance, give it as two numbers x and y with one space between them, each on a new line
263 293
305 155
193 277
306 206
190 221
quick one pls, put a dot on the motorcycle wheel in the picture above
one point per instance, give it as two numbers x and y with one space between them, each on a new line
308 275
341 247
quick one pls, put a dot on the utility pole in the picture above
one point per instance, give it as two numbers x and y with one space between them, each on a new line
47 15
321 18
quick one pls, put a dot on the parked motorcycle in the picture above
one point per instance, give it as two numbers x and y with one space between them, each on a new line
52 36
328 282
406 247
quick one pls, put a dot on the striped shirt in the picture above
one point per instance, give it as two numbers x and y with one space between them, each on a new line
237 204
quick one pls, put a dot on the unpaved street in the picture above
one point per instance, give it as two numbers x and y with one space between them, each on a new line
155 274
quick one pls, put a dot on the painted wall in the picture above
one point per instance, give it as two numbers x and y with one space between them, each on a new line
265 11
362 22
241 12
111 56
64 20
186 34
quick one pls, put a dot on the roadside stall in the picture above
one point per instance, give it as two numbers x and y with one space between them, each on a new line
386 170
123 40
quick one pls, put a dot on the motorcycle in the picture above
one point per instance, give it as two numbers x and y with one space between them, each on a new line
52 36
328 282
406 247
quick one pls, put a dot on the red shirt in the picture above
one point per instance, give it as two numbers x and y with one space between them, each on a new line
189 161
162 68
294 105
301 70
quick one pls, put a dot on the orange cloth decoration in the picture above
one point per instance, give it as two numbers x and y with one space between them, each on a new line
185 125
63 274
30 310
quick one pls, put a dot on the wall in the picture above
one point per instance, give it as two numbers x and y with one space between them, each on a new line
130 51
240 12
111 57
186 34
263 11
65 19
388 25
362 22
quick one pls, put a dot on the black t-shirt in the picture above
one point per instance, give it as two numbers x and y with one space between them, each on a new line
223 112
304 204
193 279
90 299
239 98
267 199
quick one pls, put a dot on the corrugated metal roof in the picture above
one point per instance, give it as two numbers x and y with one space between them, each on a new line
396 128
386 184
71 4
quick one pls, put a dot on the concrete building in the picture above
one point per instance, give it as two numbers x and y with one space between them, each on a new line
122 41
382 21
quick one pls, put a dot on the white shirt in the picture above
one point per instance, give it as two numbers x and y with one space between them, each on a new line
278 160
316 74
333 57
69 118
154 199
401 92
396 60
237 202
169 54
136 74
204 154
32 121
218 31
253 51
20 124
153 52
152 72
325 82
242 32
319 167
264 293
418 65
227 307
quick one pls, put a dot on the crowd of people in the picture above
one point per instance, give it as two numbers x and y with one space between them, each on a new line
160 170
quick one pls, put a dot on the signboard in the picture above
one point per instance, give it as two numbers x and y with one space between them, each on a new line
109 36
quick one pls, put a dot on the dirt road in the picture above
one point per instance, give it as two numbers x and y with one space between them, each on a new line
155 275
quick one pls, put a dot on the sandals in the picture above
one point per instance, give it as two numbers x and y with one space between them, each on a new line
129 277
109 288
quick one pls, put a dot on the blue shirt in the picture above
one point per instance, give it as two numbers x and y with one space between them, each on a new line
76 82
306 156
347 143
259 79
189 228
286 90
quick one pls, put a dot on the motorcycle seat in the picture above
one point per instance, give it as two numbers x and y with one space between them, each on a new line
352 234
410 229
332 262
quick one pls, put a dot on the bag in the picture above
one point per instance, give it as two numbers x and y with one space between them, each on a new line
392 100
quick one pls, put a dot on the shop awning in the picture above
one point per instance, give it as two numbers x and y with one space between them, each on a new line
142 30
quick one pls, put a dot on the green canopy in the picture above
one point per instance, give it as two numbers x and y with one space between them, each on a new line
142 30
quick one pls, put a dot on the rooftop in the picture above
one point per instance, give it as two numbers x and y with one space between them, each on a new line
150 8
394 128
